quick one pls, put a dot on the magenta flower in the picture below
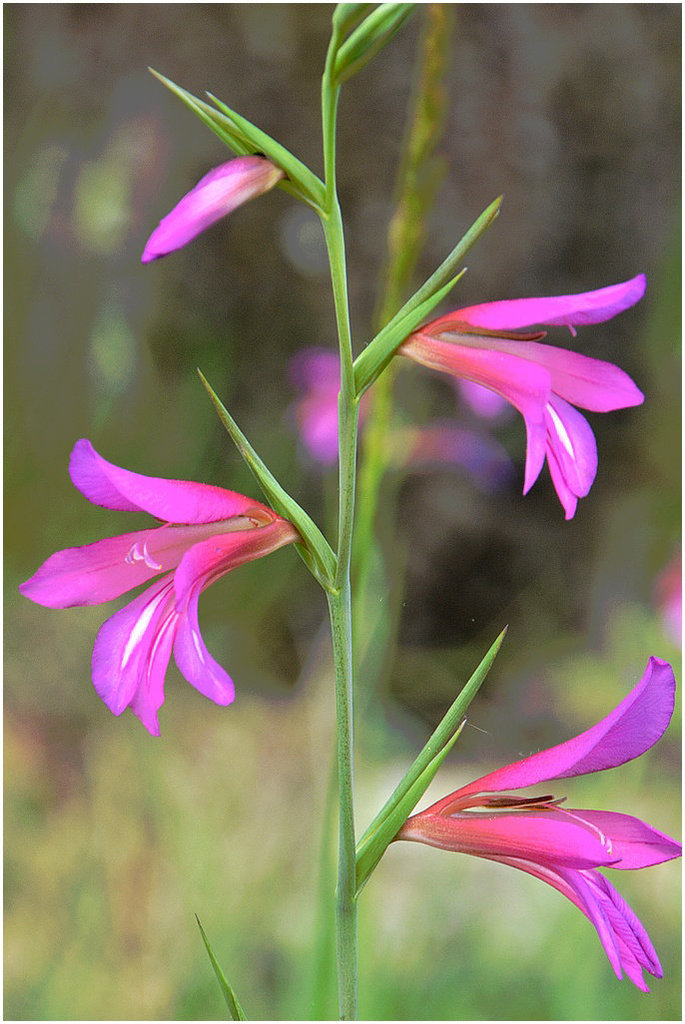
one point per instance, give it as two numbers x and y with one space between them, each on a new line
544 383
218 193
206 531
565 847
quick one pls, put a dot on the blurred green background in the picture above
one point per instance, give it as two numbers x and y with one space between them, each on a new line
113 840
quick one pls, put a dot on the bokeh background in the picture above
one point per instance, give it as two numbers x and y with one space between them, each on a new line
113 840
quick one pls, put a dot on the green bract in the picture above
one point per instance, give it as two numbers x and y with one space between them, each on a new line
378 353
315 550
370 37
235 1010
409 791
242 137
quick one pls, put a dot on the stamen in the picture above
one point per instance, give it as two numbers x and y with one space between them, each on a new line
136 554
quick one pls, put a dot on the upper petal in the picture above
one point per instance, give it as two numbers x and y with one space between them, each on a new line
220 191
570 310
632 728
175 501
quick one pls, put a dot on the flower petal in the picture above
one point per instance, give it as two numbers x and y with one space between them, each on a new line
194 660
571 452
522 383
132 651
633 727
217 194
543 837
635 843
174 501
207 561
569 310
633 941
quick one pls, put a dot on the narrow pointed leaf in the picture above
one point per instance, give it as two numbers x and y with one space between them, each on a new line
235 1010
370 851
220 125
297 172
370 37
415 782
315 550
370 363
378 352
347 16
243 138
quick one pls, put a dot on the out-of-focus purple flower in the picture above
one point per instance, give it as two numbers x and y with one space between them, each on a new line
206 531
565 847
315 372
442 443
544 383
220 192
668 597
485 403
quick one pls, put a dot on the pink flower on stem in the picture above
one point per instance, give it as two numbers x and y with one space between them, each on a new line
220 192
566 847
206 531
480 344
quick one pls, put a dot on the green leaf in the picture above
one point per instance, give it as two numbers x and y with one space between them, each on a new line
209 116
315 550
378 352
235 1010
347 16
244 138
370 37
367 370
297 172
415 782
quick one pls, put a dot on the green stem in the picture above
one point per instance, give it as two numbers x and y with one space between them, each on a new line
339 601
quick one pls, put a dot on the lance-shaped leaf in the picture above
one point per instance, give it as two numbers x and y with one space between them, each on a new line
378 353
235 1010
366 371
315 550
243 138
416 781
298 174
347 16
370 37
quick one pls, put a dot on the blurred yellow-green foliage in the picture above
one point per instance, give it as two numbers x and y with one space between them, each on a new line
113 840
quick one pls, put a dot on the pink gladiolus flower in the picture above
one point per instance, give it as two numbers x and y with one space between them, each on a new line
566 847
206 531
544 383
217 194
